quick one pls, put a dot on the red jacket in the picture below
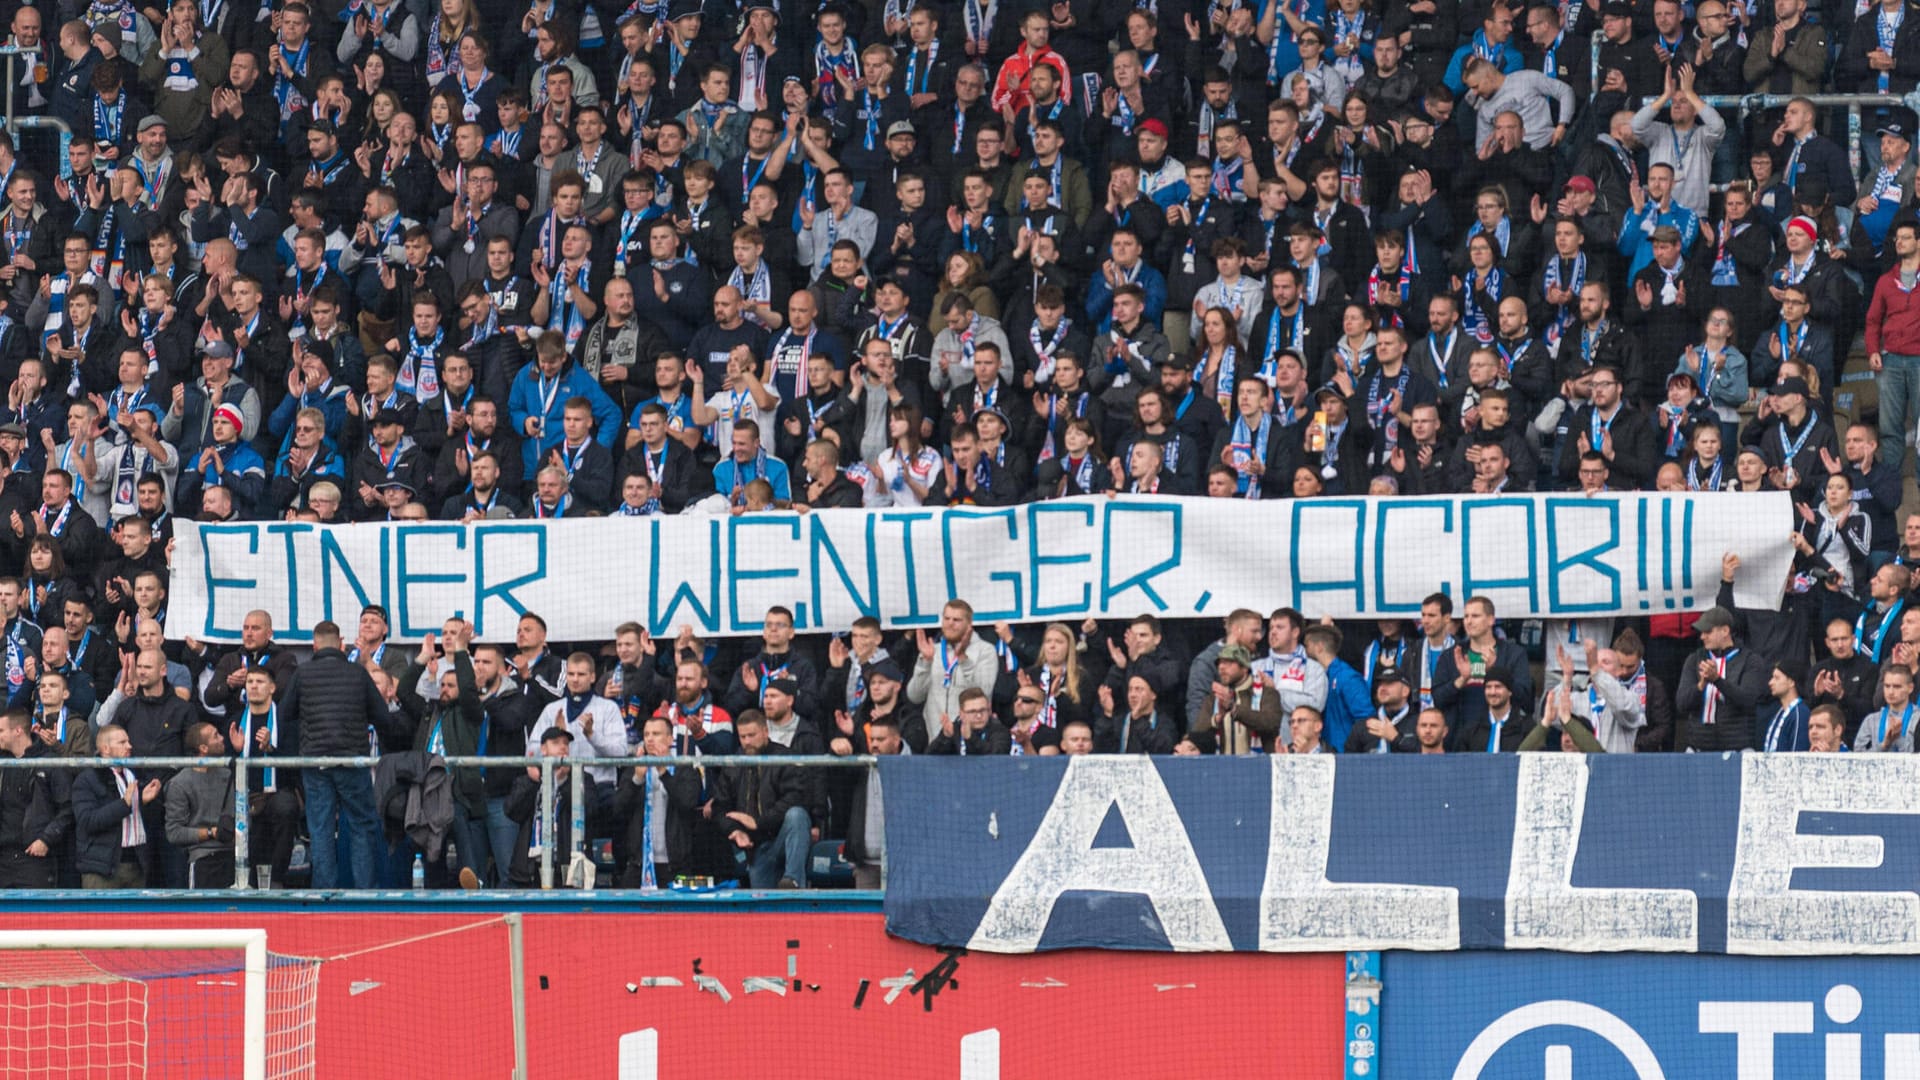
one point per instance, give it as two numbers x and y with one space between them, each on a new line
1893 320
1672 626
1010 89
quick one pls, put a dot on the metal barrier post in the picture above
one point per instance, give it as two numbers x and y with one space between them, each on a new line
242 875
873 777
577 793
1593 84
546 823
1853 139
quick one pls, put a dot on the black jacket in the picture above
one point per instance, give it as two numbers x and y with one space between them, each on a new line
510 716
1612 346
523 806
49 814
764 793
1362 741
1636 451
459 726
221 698
1743 690
331 701
739 698
1155 735
683 812
682 480
156 726
98 812
992 739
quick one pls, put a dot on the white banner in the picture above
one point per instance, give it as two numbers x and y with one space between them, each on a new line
1535 555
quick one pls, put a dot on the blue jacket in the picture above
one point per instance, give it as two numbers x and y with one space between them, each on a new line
1636 235
525 400
332 403
1509 56
1349 699
770 467
244 474
1787 730
1100 297
1285 52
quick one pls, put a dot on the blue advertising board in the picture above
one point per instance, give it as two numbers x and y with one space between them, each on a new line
1513 1016
1758 854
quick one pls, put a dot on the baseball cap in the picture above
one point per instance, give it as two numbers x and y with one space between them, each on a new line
1236 654
1712 619
900 127
1581 184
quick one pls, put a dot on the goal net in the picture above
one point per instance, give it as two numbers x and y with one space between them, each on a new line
154 1005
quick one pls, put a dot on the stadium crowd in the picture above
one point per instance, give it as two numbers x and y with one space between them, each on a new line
465 259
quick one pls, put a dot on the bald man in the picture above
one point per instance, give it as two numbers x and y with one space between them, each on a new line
225 693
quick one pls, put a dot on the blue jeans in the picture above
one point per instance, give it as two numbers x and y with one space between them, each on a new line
503 833
1899 381
341 798
787 855
469 834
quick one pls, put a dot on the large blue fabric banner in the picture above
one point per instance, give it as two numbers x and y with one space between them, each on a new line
1759 854
1502 1017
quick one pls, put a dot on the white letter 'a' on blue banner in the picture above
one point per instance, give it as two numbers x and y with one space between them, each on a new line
1161 864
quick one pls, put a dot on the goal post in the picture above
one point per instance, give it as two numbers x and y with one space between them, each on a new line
69 960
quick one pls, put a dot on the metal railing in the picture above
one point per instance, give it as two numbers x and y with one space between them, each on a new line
10 54
242 767
1745 105
1748 104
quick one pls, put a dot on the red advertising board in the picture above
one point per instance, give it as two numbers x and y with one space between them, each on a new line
640 996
